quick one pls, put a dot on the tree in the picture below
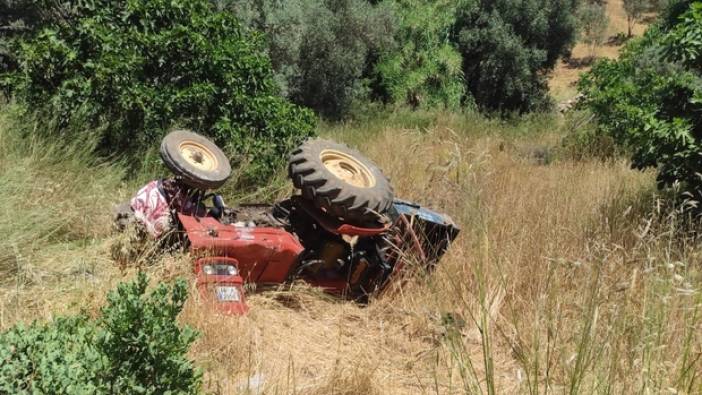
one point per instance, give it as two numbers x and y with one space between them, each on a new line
508 46
593 25
339 45
634 11
322 51
657 5
134 69
284 23
424 68
649 101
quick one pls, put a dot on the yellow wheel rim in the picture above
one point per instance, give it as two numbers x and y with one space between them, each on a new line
198 155
347 168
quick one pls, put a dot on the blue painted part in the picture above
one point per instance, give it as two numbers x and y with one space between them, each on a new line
413 209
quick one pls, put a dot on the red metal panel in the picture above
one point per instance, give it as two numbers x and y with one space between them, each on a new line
333 225
207 285
265 255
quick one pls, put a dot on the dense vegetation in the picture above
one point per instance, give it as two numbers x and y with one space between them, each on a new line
330 54
650 100
135 69
423 68
134 347
507 46
130 70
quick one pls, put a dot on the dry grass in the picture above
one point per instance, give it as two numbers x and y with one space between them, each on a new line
562 80
565 279
54 211
552 287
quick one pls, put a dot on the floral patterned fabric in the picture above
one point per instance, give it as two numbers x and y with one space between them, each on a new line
152 209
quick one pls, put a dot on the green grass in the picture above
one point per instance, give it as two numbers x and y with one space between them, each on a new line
55 198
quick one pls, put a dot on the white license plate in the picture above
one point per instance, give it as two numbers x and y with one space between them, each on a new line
227 294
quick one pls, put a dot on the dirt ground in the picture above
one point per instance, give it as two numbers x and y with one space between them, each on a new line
563 79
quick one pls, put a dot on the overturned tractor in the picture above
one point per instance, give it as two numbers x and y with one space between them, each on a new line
343 231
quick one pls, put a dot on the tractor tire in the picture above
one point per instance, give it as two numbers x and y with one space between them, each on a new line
341 181
195 159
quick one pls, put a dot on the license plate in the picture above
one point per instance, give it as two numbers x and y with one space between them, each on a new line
227 294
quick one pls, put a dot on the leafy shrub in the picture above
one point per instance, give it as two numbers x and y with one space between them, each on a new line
134 347
336 54
330 53
284 23
650 100
322 50
507 47
424 70
139 67
19 18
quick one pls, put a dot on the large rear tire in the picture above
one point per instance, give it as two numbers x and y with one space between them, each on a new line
194 158
341 181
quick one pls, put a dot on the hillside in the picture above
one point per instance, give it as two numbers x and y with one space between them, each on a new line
572 274
565 276
563 79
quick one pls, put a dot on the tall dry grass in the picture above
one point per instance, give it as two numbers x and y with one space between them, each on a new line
55 208
568 277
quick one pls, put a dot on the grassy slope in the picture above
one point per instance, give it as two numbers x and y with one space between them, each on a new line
54 211
564 277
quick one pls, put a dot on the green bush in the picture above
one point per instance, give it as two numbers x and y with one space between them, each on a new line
509 45
650 100
329 54
19 18
284 23
424 69
336 54
322 50
135 347
137 68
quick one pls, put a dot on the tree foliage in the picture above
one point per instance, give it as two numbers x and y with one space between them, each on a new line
508 46
322 50
330 53
135 347
140 66
424 68
284 24
17 18
137 68
593 22
650 100
634 10
336 52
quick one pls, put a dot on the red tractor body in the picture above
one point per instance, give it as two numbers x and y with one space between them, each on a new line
264 254
228 255
261 255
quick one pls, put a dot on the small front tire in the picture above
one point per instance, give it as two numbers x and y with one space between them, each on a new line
195 159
